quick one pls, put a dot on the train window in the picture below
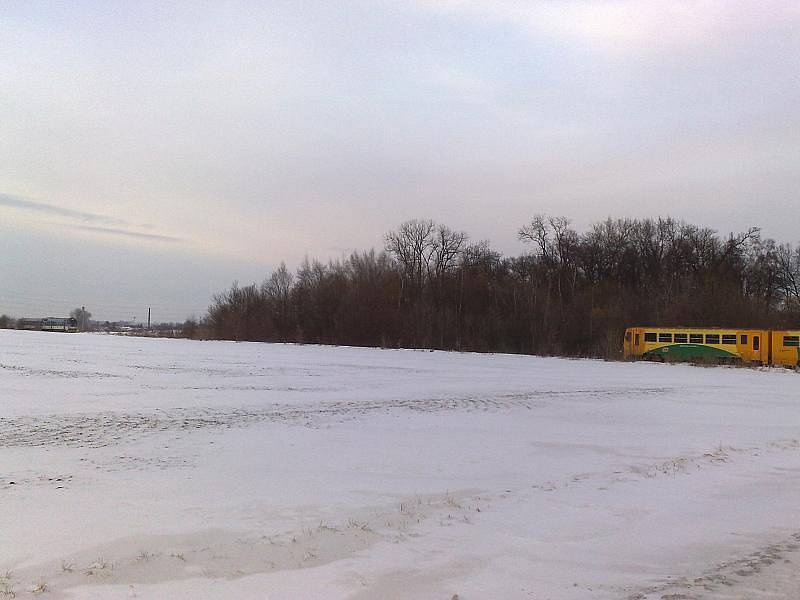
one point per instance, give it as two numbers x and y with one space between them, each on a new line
744 340
638 339
712 338
696 338
756 342
627 336
729 339
650 337
664 337
791 341
681 338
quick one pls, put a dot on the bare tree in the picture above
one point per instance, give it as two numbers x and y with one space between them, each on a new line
447 247
413 245
82 316
278 289
537 233
788 259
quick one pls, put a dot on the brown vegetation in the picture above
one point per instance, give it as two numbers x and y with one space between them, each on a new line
572 294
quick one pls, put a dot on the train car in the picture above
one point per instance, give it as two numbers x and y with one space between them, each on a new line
29 324
785 348
698 344
57 324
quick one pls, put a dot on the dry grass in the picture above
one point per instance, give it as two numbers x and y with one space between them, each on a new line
40 587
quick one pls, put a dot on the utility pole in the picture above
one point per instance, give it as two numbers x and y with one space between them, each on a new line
148 318
83 318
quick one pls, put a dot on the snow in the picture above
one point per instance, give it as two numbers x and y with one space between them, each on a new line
151 468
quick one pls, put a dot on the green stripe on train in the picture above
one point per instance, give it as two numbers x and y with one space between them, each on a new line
690 352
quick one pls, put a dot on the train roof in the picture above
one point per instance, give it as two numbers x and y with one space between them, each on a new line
695 328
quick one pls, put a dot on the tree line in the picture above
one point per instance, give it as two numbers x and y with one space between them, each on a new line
570 293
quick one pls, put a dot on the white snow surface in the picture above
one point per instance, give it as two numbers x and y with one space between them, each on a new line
150 468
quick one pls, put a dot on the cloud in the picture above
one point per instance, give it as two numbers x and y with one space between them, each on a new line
622 28
463 82
128 233
59 211
102 223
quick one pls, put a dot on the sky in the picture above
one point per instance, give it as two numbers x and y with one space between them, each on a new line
151 153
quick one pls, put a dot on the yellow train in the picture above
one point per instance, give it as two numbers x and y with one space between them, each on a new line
755 346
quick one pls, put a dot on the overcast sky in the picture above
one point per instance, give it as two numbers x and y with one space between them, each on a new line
153 152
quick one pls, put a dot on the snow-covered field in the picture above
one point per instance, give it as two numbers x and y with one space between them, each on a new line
177 469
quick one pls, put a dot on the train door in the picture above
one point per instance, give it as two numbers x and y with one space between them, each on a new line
759 345
634 343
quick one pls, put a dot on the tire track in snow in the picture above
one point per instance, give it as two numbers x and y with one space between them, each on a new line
672 467
728 579
108 428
